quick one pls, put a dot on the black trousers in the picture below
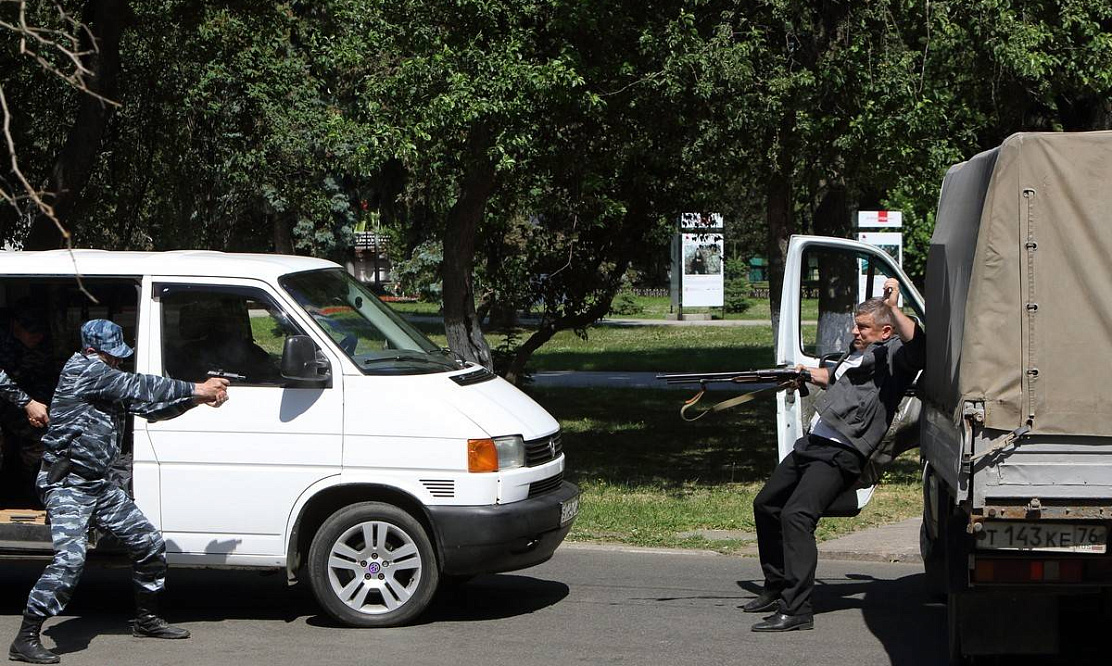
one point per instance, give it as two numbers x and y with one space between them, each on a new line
787 510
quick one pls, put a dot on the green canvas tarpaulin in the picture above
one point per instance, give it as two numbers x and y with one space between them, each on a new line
1019 285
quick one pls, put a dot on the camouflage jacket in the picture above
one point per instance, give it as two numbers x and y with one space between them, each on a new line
89 406
11 392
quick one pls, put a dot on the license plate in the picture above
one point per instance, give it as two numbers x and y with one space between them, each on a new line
1044 537
568 511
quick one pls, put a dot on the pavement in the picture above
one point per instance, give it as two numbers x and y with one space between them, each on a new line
897 542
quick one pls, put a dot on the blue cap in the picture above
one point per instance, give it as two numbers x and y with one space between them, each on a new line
105 336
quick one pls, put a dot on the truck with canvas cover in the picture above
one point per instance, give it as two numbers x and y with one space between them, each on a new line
1016 432
1014 426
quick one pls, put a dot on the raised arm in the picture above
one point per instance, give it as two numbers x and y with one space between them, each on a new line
904 325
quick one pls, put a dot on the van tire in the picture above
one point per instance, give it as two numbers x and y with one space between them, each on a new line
361 541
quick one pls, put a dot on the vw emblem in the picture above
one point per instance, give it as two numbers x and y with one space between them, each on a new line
552 448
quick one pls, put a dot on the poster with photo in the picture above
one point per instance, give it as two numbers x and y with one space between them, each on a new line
703 267
889 241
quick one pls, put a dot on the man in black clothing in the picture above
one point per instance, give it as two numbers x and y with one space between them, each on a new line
863 392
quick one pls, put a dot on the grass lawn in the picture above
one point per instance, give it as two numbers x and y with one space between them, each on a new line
658 307
647 476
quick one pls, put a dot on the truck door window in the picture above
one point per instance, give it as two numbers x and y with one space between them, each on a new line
236 331
834 281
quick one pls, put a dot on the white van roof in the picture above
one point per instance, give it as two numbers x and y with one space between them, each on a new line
193 263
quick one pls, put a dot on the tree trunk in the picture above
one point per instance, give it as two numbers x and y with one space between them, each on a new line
837 274
282 233
781 219
780 228
461 324
105 20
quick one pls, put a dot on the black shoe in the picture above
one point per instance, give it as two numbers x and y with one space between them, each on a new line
782 622
27 645
148 624
763 603
152 626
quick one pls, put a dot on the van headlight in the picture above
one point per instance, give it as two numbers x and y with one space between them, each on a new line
492 455
511 451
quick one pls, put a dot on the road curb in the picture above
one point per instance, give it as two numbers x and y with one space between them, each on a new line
895 543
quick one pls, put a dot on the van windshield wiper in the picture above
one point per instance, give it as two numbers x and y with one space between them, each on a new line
406 357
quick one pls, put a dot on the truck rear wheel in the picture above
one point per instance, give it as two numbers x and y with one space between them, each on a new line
372 565
931 547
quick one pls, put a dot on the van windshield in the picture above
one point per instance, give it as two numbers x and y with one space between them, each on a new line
378 340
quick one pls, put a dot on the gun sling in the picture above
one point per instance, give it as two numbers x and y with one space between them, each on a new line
732 402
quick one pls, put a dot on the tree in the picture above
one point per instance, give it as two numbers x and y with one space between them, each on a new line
55 51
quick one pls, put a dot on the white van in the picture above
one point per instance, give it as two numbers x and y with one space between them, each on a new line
353 451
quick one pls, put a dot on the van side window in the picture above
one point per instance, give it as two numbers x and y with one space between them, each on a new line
234 330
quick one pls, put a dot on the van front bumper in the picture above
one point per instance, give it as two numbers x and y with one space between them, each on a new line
501 537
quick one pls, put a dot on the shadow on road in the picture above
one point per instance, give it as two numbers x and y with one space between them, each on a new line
911 628
493 597
103 604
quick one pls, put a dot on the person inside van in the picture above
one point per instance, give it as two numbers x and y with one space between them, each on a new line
25 356
215 335
83 441
863 392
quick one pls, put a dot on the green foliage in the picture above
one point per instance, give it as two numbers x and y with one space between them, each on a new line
260 126
737 286
625 304
419 275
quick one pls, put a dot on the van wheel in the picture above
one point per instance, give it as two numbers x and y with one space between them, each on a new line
372 565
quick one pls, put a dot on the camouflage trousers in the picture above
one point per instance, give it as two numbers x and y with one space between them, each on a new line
72 506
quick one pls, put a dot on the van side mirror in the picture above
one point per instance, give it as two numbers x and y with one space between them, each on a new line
302 362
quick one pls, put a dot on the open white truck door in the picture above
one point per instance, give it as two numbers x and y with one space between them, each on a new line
824 279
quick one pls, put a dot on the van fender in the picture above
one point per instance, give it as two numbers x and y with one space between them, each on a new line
328 495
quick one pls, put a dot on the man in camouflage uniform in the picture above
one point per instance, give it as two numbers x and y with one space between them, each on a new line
86 424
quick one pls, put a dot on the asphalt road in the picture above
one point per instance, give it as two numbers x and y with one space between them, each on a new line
589 605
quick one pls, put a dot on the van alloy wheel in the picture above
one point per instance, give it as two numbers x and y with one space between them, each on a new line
372 565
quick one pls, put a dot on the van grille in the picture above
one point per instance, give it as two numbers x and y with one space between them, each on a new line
440 487
545 485
545 449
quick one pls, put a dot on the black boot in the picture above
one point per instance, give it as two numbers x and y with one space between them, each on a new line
147 622
27 645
